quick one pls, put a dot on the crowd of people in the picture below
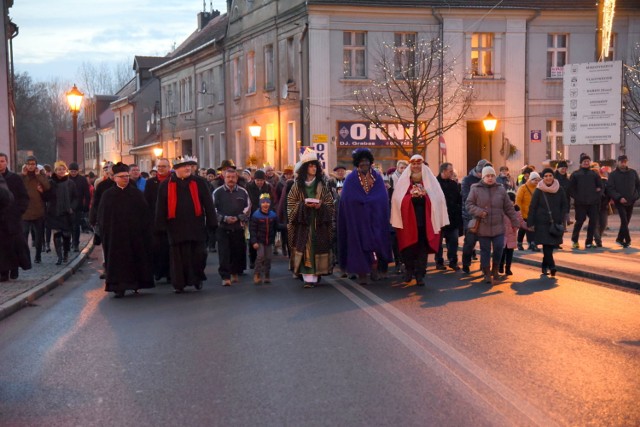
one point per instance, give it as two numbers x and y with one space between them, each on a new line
164 224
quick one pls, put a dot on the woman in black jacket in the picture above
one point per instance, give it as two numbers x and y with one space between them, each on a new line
548 206
61 202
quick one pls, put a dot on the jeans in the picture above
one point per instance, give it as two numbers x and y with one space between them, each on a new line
582 212
485 250
468 246
625 212
450 235
37 226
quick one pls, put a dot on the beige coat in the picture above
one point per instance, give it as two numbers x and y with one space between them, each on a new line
494 201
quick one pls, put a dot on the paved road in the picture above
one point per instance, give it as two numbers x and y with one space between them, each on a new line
530 351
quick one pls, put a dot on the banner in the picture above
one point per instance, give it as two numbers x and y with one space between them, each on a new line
365 134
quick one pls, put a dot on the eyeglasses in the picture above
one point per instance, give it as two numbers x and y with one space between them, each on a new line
121 176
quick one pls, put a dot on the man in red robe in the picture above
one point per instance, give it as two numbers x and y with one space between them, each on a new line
418 212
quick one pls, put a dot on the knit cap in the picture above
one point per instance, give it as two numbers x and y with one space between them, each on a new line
534 175
488 170
265 197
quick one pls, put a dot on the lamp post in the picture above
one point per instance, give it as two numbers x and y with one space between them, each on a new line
74 98
255 129
489 123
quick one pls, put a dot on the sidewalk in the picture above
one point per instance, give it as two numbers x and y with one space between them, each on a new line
610 264
41 278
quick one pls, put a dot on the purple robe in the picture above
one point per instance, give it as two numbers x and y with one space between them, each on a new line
363 224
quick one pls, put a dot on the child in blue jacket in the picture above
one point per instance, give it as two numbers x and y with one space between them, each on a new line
262 235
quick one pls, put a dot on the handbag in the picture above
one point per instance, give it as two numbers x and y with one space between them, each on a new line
555 229
473 226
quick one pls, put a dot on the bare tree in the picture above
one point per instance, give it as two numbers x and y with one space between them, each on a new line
631 94
103 78
406 89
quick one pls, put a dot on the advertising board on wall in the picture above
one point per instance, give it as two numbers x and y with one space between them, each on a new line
365 134
592 110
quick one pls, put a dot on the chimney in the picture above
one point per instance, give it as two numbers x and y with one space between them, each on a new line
203 19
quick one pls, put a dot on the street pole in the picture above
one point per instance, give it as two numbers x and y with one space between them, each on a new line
75 136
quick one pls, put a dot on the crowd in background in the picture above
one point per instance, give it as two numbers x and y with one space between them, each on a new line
163 225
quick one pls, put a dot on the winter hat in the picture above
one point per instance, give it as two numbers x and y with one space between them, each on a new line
534 175
339 167
211 171
119 167
259 174
488 170
73 166
265 197
622 158
31 159
562 164
546 171
584 157
481 164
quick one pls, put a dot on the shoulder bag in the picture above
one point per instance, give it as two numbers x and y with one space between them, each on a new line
555 229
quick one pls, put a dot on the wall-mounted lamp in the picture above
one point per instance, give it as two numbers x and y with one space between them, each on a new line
157 152
489 123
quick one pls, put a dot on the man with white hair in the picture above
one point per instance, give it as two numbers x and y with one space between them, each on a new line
418 213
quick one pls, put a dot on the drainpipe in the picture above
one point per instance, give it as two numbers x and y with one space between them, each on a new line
303 86
526 87
441 80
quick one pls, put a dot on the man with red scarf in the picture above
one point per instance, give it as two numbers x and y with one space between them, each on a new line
160 241
418 212
185 209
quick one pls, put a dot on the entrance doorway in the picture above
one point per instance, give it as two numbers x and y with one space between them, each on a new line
477 143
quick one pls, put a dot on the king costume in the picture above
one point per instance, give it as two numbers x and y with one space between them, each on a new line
363 219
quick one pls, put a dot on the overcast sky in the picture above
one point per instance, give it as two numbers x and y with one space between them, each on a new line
57 36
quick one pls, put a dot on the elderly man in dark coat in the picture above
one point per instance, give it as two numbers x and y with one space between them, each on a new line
14 251
125 218
160 241
363 219
185 209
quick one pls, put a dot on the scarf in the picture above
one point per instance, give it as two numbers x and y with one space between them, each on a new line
553 188
173 198
439 213
161 177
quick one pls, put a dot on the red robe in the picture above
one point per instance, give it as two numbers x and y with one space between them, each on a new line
408 235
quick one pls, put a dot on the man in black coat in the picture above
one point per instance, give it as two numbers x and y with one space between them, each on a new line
126 223
185 210
586 189
14 251
83 195
160 240
624 188
453 198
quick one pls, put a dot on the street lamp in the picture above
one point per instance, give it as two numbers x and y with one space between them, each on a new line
489 123
74 98
255 129
157 152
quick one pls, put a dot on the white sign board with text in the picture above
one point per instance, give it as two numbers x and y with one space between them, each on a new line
592 103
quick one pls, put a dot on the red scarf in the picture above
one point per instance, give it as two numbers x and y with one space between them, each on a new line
162 177
173 198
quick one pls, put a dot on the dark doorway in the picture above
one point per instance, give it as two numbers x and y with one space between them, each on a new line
477 143
187 147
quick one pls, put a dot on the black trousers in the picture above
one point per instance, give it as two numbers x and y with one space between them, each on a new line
625 212
415 257
450 235
35 226
232 252
582 213
76 223
547 256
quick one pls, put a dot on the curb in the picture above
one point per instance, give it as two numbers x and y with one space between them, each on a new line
582 273
26 298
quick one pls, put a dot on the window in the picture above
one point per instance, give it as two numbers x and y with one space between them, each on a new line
251 72
268 67
555 146
211 90
235 73
213 161
202 155
117 128
291 60
200 79
556 55
353 56
220 84
405 56
481 54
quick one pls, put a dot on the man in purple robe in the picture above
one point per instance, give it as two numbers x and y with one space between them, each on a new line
363 219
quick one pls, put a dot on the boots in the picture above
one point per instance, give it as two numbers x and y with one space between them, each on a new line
507 269
494 273
66 248
57 244
487 275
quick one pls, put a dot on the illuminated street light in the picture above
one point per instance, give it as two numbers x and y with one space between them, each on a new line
489 123
74 98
